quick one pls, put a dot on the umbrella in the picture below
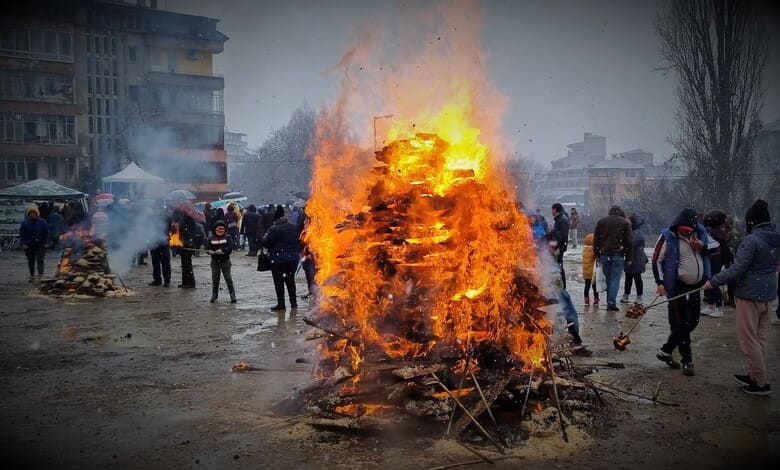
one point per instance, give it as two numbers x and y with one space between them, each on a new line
180 195
102 196
188 208
236 196
225 203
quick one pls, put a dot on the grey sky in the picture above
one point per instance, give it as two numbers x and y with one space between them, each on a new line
567 67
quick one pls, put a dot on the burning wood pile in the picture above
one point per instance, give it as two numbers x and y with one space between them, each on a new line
430 305
83 269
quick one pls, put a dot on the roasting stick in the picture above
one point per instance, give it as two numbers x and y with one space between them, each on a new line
478 454
468 413
655 304
527 394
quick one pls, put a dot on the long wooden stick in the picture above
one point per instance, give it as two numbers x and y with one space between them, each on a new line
474 451
484 400
460 387
527 394
555 393
633 394
468 413
474 462
655 304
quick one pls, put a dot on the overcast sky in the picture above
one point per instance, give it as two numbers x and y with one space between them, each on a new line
567 67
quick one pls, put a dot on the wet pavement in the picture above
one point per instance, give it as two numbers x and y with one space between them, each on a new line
145 381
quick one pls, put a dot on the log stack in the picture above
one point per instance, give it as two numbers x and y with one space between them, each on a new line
86 275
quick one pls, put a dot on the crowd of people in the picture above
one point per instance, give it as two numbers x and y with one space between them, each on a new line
696 252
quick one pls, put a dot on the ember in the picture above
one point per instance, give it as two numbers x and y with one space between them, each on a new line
83 268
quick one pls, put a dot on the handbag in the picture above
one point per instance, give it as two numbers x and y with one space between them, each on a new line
263 261
601 279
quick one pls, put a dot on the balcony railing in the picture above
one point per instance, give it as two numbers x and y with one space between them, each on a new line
166 69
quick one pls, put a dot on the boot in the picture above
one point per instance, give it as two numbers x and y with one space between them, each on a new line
587 301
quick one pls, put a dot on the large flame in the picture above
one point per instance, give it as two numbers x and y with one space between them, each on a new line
431 258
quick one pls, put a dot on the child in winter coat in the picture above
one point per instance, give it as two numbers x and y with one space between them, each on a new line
588 261
219 247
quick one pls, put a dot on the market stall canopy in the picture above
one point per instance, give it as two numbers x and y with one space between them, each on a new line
133 173
40 189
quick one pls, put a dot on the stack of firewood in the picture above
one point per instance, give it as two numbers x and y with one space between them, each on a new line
88 275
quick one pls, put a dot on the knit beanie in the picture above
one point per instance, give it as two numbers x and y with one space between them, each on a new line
757 214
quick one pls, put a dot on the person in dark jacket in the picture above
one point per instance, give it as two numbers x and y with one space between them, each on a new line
680 256
754 271
33 235
284 249
220 247
55 227
560 234
636 260
720 257
160 250
187 230
249 227
231 221
611 245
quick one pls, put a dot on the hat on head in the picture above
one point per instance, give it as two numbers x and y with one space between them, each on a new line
33 209
757 214
686 217
220 223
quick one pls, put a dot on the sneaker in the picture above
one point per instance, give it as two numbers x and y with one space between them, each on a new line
688 369
596 302
638 300
587 301
715 312
277 308
753 389
667 358
743 380
612 308
155 283
624 299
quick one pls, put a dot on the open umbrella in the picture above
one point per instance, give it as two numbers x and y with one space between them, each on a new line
188 208
180 195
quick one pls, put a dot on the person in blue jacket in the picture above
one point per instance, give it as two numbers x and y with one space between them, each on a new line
33 234
681 267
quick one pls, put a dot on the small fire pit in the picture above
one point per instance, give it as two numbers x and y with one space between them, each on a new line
83 269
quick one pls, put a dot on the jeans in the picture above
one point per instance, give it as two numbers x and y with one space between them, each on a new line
613 270
569 313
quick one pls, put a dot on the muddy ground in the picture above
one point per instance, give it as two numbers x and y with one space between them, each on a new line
145 382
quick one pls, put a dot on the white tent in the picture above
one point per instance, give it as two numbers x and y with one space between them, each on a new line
137 181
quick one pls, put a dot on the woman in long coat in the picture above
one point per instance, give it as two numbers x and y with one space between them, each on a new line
637 261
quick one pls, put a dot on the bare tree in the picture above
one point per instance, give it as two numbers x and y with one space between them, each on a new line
718 49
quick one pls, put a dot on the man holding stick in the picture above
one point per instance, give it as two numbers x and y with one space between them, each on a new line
754 272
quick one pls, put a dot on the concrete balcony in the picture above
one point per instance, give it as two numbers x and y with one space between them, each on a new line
159 74
188 117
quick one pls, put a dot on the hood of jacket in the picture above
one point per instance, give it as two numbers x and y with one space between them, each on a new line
636 221
616 210
589 239
768 232
686 217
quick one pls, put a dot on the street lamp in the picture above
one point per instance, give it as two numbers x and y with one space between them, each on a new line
384 116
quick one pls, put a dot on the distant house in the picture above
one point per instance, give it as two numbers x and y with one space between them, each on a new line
612 181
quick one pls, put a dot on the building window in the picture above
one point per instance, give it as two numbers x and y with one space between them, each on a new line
132 54
37 44
70 170
53 167
21 128
34 86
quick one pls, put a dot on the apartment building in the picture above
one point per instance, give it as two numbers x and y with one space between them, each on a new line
128 82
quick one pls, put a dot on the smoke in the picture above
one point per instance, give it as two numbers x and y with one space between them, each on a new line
134 229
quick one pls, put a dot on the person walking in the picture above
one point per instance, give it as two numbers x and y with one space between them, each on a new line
636 261
232 223
284 250
753 271
611 245
720 257
560 234
55 223
588 260
33 235
220 247
186 229
249 227
160 250
574 224
680 256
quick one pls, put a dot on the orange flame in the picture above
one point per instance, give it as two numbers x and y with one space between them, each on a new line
174 240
